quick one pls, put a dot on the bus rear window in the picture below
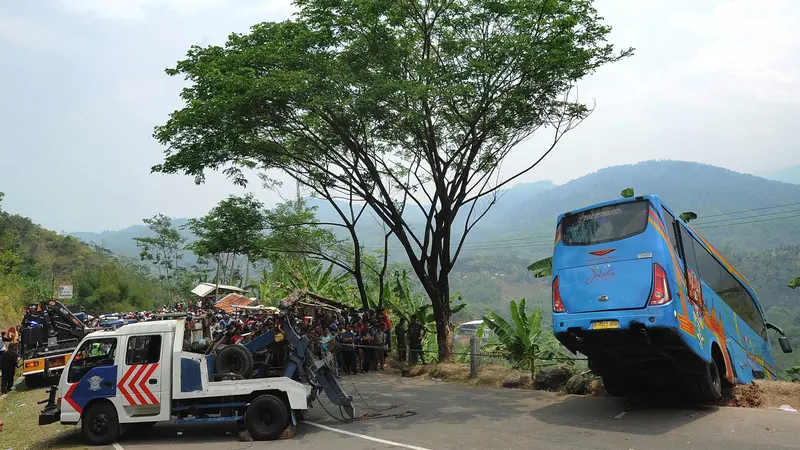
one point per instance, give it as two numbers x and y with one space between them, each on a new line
605 224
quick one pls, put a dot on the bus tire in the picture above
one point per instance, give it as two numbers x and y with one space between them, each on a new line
710 383
234 359
615 385
266 417
100 424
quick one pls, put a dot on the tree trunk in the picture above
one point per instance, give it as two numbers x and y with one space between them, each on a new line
440 300
362 289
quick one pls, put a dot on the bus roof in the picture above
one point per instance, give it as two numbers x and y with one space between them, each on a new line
615 201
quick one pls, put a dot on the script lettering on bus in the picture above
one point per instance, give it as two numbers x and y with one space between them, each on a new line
605 272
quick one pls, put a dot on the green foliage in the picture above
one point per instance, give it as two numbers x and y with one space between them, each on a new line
793 373
232 229
294 231
164 251
627 193
795 283
542 268
524 338
688 216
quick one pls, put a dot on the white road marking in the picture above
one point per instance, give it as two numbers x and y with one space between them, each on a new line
363 436
117 446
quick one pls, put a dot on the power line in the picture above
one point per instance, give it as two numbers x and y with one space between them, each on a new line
752 217
748 210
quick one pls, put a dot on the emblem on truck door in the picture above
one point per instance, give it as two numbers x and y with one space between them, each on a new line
94 383
602 298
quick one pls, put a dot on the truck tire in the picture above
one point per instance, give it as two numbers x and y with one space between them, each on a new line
266 417
100 424
615 385
234 359
34 381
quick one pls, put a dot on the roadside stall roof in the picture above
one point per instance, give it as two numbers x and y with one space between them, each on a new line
307 298
205 289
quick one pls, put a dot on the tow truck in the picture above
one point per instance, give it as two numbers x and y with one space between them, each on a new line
141 374
49 334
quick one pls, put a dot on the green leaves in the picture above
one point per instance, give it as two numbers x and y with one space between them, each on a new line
525 340
795 283
542 268
688 216
627 193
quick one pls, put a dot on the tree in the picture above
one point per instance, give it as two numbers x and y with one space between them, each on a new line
525 340
163 250
393 103
232 229
795 283
294 230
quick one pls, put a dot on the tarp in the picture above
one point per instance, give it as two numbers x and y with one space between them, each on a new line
205 289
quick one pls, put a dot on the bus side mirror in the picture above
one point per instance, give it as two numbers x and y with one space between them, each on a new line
786 346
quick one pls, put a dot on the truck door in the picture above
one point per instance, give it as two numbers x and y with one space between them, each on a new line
92 374
141 378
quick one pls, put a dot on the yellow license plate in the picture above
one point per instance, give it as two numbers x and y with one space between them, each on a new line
605 325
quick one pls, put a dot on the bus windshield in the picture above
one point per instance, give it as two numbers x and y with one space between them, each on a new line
606 223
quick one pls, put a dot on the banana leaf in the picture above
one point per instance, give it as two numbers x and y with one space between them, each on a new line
794 284
542 268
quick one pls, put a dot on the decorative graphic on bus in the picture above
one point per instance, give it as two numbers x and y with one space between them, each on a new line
695 288
602 272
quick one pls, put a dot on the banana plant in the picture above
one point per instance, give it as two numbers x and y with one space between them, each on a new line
523 338
542 268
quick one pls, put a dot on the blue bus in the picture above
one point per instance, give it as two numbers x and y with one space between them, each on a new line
652 304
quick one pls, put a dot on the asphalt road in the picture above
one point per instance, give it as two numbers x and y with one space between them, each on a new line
451 416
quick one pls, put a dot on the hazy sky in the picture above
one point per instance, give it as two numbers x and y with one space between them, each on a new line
82 85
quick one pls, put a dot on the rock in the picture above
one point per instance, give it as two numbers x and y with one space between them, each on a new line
578 385
513 380
552 378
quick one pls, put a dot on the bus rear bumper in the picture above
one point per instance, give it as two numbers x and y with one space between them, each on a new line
638 336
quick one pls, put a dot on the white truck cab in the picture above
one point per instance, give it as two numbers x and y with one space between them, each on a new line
139 374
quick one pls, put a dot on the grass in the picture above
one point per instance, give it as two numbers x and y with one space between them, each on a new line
20 412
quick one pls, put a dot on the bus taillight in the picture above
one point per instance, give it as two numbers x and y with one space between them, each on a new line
558 305
660 288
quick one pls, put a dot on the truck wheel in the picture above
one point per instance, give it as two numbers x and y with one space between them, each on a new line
234 359
100 424
266 417
34 381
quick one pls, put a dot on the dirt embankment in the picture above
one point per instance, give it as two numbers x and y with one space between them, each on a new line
762 394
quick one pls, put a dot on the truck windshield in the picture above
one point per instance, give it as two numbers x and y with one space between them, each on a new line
92 353
605 224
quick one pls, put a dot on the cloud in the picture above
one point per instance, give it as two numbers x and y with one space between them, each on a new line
26 33
134 9
753 49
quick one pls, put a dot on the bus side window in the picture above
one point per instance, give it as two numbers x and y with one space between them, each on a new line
669 224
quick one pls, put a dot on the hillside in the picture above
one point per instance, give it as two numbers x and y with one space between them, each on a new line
787 175
32 258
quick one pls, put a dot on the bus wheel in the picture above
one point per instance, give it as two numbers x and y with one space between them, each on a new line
266 417
614 385
710 383
100 424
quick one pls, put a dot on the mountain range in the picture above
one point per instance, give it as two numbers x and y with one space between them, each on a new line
739 211
789 174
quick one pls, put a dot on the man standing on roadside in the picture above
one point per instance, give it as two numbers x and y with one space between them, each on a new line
415 336
402 346
9 366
